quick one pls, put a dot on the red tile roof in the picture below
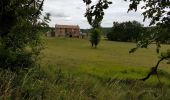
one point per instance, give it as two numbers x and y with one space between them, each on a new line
67 26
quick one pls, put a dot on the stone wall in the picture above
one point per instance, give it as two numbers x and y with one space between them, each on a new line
67 30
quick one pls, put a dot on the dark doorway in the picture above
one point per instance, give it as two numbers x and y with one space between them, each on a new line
52 33
70 35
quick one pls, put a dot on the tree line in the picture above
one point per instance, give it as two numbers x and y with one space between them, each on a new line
133 31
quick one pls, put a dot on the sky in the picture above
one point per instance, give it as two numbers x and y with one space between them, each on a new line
71 12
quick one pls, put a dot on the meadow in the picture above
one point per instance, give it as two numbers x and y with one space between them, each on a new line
75 71
110 59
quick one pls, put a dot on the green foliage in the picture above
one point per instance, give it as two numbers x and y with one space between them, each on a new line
156 10
151 35
95 12
95 37
13 60
126 31
19 32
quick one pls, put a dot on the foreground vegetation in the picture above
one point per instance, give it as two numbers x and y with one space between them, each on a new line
72 70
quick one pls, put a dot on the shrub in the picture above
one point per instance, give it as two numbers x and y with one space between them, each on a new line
20 41
95 37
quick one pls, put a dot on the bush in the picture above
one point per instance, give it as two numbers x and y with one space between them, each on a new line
95 37
14 61
20 41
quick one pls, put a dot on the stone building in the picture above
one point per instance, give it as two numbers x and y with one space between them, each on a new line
67 30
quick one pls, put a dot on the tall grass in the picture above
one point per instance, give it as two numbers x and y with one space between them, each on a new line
37 84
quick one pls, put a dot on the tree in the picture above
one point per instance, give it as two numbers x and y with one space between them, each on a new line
94 16
95 37
156 10
20 42
125 31
137 29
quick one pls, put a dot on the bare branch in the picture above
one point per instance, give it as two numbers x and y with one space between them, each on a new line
153 71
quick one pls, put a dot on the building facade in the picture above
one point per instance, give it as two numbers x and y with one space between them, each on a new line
67 30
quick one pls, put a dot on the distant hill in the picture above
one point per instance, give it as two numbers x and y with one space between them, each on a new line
104 29
85 30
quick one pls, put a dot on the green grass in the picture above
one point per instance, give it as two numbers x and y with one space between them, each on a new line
110 59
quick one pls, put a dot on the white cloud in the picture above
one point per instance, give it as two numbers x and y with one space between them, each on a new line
68 19
72 12
58 15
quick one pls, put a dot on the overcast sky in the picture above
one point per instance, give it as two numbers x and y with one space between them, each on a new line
71 12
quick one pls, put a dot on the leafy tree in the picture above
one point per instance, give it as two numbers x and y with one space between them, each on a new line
95 37
95 15
125 31
20 42
137 29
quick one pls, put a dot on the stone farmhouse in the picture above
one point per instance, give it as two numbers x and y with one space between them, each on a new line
67 31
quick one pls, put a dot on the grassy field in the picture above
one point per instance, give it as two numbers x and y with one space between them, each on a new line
106 73
110 59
